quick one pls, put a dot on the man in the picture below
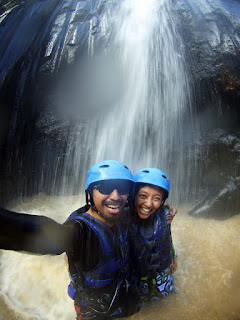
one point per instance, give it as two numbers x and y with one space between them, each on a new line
100 283
95 243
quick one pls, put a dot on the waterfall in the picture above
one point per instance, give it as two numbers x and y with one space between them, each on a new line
135 105
152 123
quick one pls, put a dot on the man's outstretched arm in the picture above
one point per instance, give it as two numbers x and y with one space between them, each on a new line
31 233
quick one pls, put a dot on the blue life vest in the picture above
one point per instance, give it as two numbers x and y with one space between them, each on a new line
98 291
150 243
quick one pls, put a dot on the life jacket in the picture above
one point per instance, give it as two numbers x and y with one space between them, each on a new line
99 291
150 244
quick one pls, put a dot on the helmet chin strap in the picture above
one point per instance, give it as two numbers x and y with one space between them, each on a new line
98 212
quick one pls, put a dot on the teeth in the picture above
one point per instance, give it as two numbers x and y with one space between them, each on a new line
145 210
113 207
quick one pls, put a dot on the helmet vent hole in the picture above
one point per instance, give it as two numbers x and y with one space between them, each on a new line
126 167
164 177
146 171
104 166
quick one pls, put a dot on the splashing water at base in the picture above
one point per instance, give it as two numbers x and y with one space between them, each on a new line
207 280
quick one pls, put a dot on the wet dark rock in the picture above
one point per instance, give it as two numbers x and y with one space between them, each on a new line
39 40
211 36
220 205
219 160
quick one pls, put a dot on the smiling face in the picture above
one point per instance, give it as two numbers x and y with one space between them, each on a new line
148 200
109 205
109 200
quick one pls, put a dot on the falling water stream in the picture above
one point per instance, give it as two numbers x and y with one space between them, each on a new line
153 118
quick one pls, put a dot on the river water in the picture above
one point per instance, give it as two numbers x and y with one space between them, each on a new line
207 281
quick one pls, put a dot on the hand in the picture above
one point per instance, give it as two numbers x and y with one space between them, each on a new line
66 261
174 265
172 212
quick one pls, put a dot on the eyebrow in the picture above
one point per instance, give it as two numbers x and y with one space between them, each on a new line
145 192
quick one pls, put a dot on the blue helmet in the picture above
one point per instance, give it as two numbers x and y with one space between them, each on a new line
108 170
152 176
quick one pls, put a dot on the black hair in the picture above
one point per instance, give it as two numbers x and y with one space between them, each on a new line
140 185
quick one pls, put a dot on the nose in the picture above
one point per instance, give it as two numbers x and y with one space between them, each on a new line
115 195
148 202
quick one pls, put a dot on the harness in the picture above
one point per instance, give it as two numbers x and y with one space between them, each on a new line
151 245
98 291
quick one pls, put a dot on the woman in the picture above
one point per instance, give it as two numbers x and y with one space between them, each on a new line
152 253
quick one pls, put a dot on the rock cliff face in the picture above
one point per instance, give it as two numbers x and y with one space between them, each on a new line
41 39
211 36
219 160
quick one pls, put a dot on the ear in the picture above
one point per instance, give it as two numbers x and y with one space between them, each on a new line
88 196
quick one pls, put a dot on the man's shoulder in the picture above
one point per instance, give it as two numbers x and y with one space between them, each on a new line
76 213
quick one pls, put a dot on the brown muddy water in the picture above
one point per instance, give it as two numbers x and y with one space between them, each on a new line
207 281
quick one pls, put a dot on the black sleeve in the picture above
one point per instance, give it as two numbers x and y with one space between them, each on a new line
42 235
34 234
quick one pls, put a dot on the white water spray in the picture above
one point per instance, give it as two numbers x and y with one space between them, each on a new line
152 124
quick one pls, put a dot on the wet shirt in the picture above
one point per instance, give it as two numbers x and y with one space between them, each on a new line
84 247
